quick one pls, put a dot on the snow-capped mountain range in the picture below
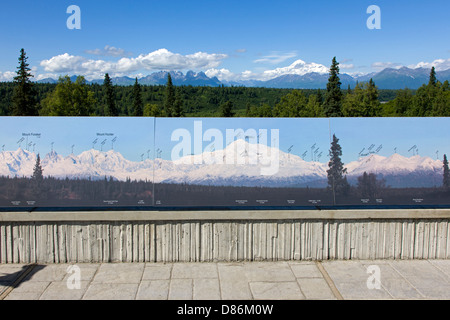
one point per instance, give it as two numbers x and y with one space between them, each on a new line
292 170
297 76
92 164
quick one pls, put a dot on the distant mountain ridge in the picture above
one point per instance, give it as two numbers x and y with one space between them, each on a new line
293 171
388 78
158 78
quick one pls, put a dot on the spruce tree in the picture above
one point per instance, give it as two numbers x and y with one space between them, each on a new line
446 177
110 97
170 97
37 171
403 101
226 109
138 108
247 109
333 97
369 186
371 103
24 96
433 80
336 173
319 96
178 106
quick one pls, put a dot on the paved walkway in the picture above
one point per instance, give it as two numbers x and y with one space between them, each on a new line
398 279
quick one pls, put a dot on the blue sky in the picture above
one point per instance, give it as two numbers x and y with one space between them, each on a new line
301 134
394 134
230 39
81 132
428 134
354 134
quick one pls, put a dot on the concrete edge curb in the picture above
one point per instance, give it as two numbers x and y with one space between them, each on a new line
329 281
362 214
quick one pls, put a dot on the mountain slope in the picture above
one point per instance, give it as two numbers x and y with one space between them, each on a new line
388 78
239 164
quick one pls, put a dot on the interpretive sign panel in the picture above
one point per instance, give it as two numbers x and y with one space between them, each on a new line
241 162
76 162
393 161
156 163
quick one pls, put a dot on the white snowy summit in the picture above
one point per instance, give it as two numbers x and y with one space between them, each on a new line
237 164
398 170
17 163
240 164
92 164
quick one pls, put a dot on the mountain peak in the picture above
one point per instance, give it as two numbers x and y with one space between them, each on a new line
397 157
299 75
22 152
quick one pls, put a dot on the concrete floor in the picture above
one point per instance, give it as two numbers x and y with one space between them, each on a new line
286 280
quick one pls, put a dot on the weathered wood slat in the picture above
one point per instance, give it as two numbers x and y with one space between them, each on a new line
143 241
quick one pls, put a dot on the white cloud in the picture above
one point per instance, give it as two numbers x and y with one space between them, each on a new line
7 76
62 63
243 50
439 65
346 66
276 57
227 75
249 75
383 65
161 59
221 74
164 59
298 67
109 51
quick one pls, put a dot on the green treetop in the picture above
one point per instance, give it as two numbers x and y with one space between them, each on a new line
433 80
333 98
336 173
138 108
110 98
169 103
69 99
24 97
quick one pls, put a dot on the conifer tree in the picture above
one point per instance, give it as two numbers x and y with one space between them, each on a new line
336 173
23 100
110 97
433 80
446 178
247 109
37 171
371 103
226 109
369 186
178 106
319 96
138 108
170 97
333 97
403 101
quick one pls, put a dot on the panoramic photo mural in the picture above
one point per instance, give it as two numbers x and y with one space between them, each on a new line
392 161
76 162
157 163
241 162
